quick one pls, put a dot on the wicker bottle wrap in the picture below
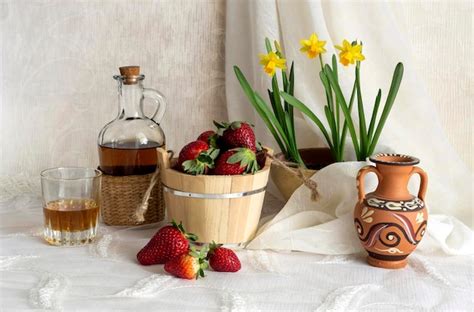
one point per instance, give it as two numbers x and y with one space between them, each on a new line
122 195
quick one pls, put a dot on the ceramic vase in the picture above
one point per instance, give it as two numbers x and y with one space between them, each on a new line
390 222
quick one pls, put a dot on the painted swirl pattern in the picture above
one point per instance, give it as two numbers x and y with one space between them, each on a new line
390 234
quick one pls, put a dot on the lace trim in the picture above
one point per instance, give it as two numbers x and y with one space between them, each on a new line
341 298
263 261
422 265
233 302
147 287
12 186
335 259
48 293
6 262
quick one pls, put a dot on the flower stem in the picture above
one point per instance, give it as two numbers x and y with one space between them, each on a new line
321 61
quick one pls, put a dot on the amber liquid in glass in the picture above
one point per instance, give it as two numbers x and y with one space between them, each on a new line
127 159
70 221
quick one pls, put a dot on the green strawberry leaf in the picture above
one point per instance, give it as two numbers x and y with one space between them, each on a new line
205 158
213 152
220 124
191 237
194 166
213 141
246 158
235 125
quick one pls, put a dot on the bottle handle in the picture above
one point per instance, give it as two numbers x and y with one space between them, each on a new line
160 101
423 181
360 180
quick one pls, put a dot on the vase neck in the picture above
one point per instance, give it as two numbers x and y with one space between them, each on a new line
394 182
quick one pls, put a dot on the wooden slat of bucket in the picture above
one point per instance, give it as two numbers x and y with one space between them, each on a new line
222 220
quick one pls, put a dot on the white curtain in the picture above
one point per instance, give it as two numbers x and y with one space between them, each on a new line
413 127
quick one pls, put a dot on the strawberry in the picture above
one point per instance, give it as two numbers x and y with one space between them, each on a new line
189 265
237 134
222 259
170 241
236 161
197 157
210 137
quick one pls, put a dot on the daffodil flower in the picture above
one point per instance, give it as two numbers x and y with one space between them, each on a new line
312 46
271 62
350 53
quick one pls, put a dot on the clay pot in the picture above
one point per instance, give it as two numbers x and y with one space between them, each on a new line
390 222
314 158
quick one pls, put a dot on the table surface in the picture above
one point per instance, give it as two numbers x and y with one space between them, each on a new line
105 276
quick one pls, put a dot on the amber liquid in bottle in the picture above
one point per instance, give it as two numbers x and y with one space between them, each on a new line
127 159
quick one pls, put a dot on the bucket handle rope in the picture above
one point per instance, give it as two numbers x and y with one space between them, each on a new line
143 207
310 184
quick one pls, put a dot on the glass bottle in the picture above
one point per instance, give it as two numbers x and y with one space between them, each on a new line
127 144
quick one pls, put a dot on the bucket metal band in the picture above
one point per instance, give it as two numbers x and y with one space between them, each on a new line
212 196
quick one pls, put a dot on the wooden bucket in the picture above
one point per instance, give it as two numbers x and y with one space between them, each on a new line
224 209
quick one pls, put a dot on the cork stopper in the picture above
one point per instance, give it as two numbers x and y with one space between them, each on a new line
130 74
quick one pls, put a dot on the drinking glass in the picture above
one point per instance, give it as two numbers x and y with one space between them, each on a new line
71 201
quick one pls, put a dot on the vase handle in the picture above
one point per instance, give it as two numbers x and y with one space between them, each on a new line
360 180
423 181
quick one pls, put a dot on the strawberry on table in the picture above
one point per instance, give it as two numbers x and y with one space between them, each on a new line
197 157
237 134
170 241
223 259
189 265
236 161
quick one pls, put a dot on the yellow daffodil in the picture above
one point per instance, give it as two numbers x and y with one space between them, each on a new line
271 62
312 46
350 53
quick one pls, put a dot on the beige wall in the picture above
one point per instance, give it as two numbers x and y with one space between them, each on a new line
58 58
441 36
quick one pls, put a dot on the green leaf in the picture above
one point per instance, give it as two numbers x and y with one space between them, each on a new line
344 127
272 101
291 89
272 118
305 110
327 88
392 94
345 109
280 114
337 108
262 110
362 123
332 126
285 88
268 45
291 136
292 80
374 115
334 66
284 78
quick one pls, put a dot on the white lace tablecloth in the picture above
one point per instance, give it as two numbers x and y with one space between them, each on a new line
105 276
